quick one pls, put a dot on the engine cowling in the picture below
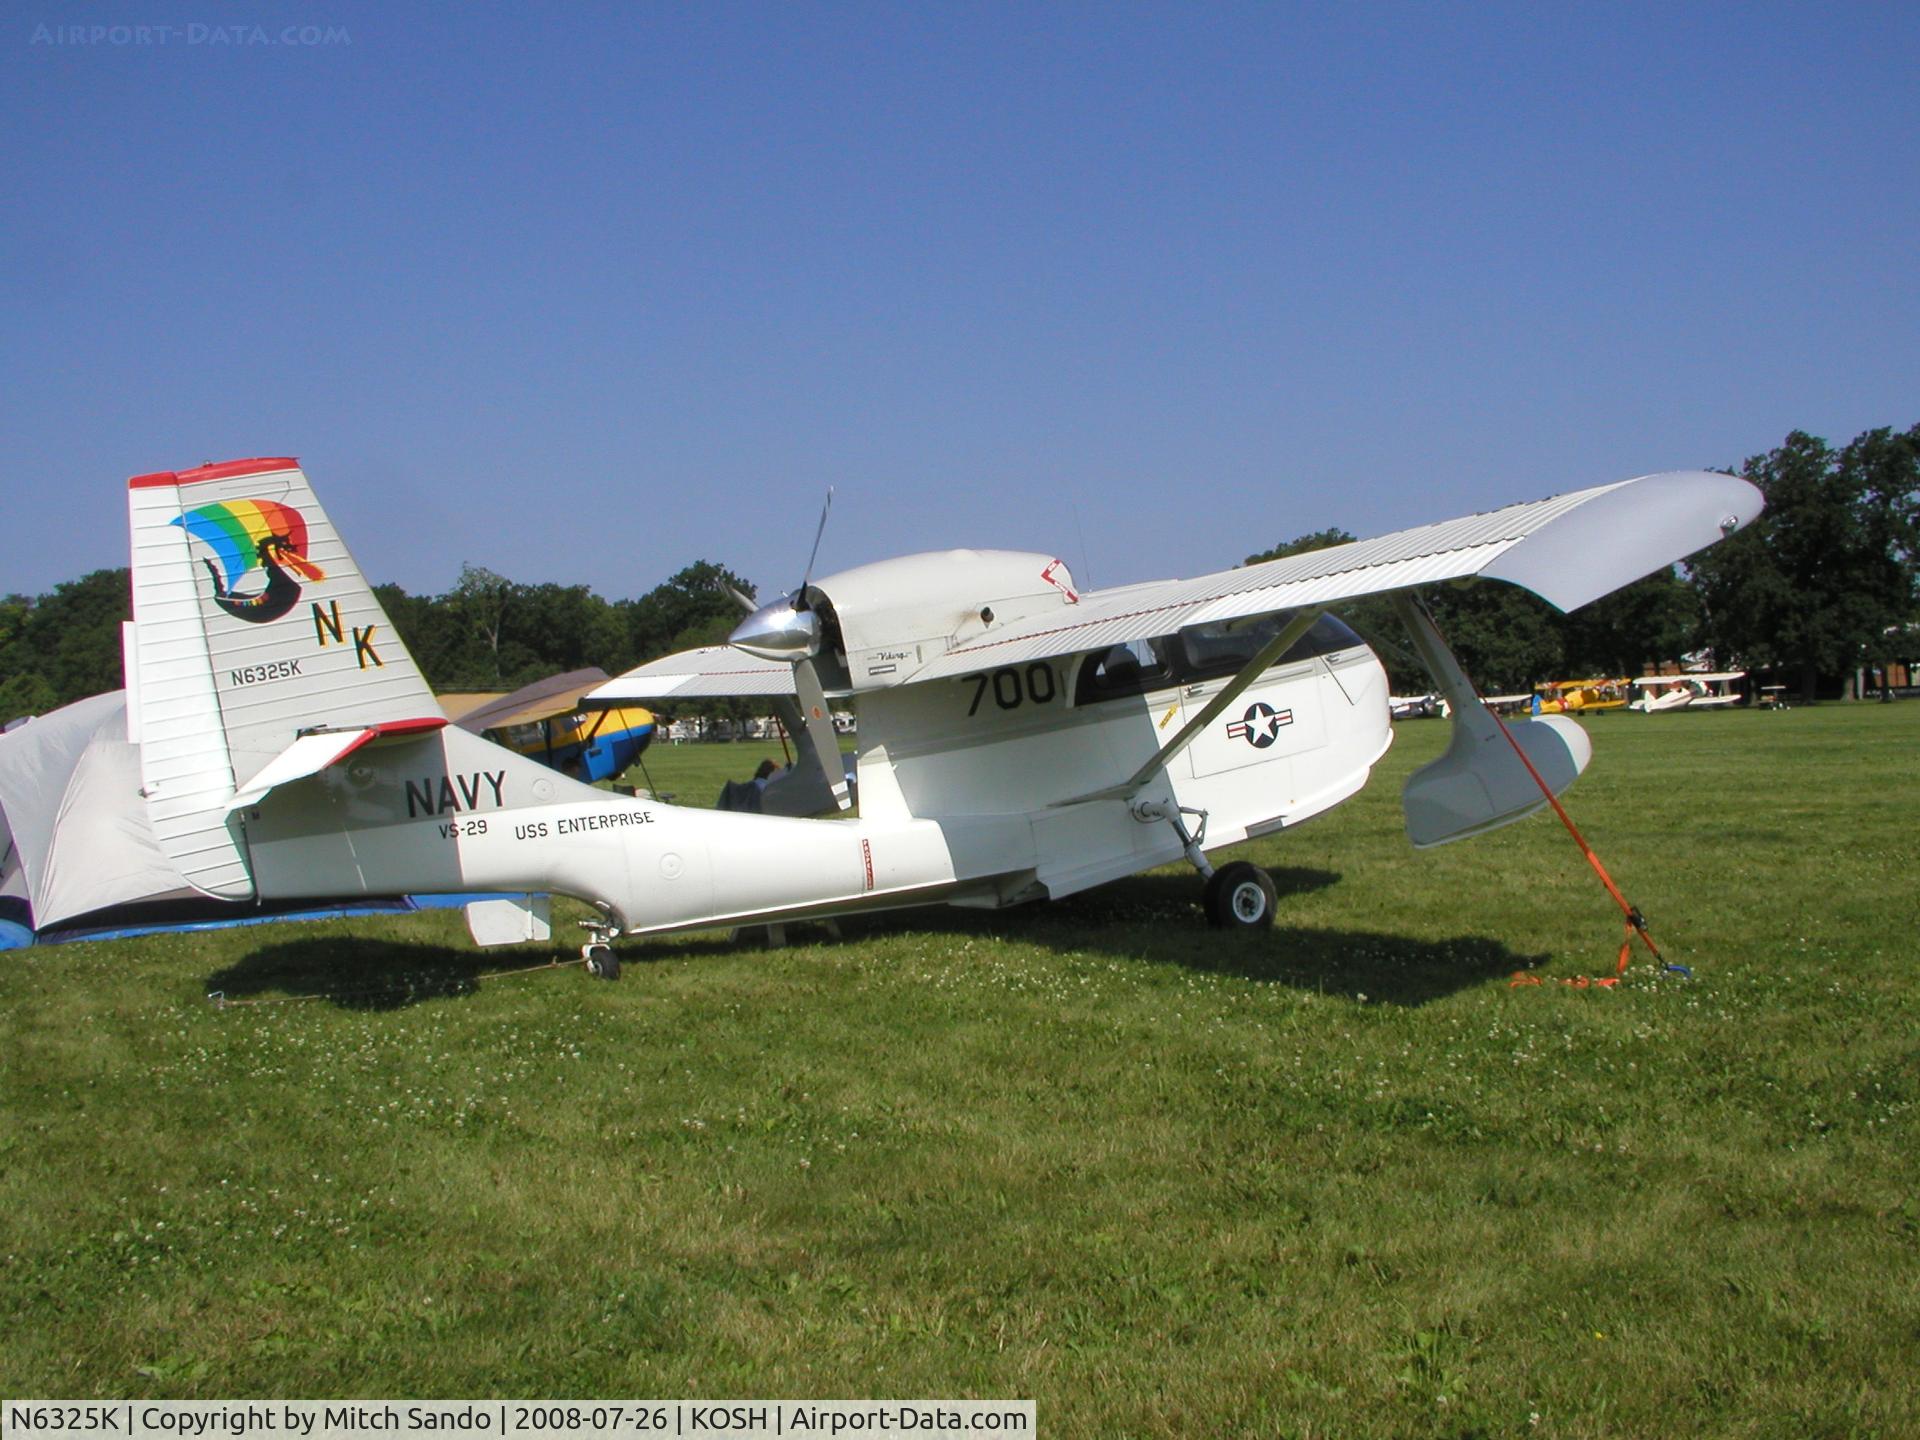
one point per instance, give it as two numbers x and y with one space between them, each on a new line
891 617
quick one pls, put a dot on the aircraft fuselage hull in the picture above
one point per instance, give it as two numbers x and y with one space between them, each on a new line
963 800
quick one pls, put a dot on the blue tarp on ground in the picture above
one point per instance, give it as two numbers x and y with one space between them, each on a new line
15 936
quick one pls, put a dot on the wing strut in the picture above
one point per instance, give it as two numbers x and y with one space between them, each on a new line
1288 637
1434 654
1483 781
819 722
1268 655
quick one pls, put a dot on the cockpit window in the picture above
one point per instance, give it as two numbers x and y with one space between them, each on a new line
1130 669
1200 652
1212 650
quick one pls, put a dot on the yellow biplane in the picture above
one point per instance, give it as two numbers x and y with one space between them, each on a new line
1570 697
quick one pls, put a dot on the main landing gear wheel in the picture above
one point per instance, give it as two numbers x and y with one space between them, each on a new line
1241 896
602 963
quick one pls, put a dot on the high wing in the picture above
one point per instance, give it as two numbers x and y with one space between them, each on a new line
543 700
712 672
1568 550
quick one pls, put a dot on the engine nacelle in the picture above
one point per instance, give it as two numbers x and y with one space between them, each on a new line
894 616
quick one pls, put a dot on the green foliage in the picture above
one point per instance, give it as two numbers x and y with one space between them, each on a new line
433 634
689 608
1334 1180
1305 544
1824 582
1635 629
60 647
14 612
480 600
1506 638
1815 585
25 694
491 633
487 632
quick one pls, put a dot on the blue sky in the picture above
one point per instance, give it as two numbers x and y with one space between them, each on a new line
584 294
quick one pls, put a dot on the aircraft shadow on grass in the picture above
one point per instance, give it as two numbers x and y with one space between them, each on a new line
361 974
1155 918
1158 918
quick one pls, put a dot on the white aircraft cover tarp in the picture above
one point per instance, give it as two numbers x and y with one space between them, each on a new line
70 799
13 877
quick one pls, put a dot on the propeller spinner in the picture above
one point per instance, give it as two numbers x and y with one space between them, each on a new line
780 631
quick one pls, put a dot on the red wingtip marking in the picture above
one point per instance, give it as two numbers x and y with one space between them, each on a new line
225 470
421 726
391 729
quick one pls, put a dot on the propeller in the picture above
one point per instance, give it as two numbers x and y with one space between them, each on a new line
789 630
814 554
785 708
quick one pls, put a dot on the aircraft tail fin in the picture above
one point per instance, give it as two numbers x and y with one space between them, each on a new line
252 627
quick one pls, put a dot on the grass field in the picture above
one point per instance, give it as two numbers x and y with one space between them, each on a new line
1336 1180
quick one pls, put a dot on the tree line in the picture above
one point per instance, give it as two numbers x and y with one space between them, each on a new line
1822 585
486 633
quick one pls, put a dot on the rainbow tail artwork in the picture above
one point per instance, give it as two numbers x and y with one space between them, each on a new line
247 534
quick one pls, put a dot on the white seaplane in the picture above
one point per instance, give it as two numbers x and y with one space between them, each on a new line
1018 738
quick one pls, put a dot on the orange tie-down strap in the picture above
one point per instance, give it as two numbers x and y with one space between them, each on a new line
1636 925
1636 922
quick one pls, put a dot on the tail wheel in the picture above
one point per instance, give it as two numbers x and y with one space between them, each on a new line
1241 896
602 963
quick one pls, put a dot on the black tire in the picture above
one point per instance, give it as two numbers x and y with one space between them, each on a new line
602 963
1241 896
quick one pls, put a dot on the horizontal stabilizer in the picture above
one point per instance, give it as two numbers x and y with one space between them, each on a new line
311 754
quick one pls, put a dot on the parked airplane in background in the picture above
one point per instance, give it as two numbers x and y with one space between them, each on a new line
1698 690
553 722
1566 697
1019 739
1421 707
